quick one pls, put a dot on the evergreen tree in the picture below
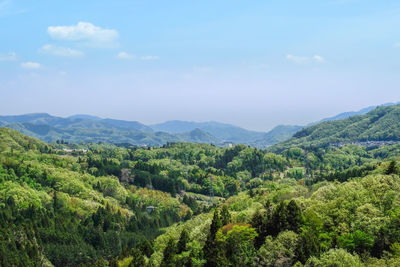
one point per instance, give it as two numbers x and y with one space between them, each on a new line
183 240
392 168
138 258
258 222
169 254
211 248
225 215
294 216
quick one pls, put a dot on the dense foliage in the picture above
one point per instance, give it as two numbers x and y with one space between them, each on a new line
54 212
186 204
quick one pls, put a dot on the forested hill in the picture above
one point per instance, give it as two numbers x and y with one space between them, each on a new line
381 124
104 205
55 212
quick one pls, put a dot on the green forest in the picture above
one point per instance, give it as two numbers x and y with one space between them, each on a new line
305 202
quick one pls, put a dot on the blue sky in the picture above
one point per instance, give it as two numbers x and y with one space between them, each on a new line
255 64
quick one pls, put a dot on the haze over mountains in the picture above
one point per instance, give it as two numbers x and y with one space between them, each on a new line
87 128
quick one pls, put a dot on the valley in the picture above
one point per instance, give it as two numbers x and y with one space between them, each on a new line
304 202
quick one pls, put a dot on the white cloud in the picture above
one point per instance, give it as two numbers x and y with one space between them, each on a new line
125 55
318 59
30 65
11 56
149 58
305 60
60 51
397 45
84 32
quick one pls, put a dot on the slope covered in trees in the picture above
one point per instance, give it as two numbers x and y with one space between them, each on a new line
380 124
103 205
54 212
355 223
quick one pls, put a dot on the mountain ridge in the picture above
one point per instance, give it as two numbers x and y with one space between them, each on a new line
380 124
88 128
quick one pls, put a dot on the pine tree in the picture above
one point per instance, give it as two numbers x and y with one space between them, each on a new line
294 216
211 248
169 254
138 258
258 223
183 240
225 215
215 224
392 169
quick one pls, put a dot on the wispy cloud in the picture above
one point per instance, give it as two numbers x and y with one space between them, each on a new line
30 65
397 44
305 60
60 51
149 58
125 55
7 7
84 32
318 59
11 56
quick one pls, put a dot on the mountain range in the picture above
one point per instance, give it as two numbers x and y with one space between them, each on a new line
87 128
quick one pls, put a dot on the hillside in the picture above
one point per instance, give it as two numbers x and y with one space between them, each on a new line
380 124
103 205
54 211
346 115
199 136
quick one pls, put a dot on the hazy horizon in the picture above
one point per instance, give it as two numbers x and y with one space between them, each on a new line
252 64
199 121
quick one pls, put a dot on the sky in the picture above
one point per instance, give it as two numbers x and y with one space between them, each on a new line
252 63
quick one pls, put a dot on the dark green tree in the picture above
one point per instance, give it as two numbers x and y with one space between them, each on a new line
294 216
212 250
138 258
392 168
169 254
225 215
183 240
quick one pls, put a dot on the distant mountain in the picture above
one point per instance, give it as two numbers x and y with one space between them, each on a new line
85 128
199 136
278 134
346 115
380 124
127 125
85 117
222 131
32 118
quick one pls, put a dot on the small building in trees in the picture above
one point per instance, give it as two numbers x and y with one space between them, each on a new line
150 209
